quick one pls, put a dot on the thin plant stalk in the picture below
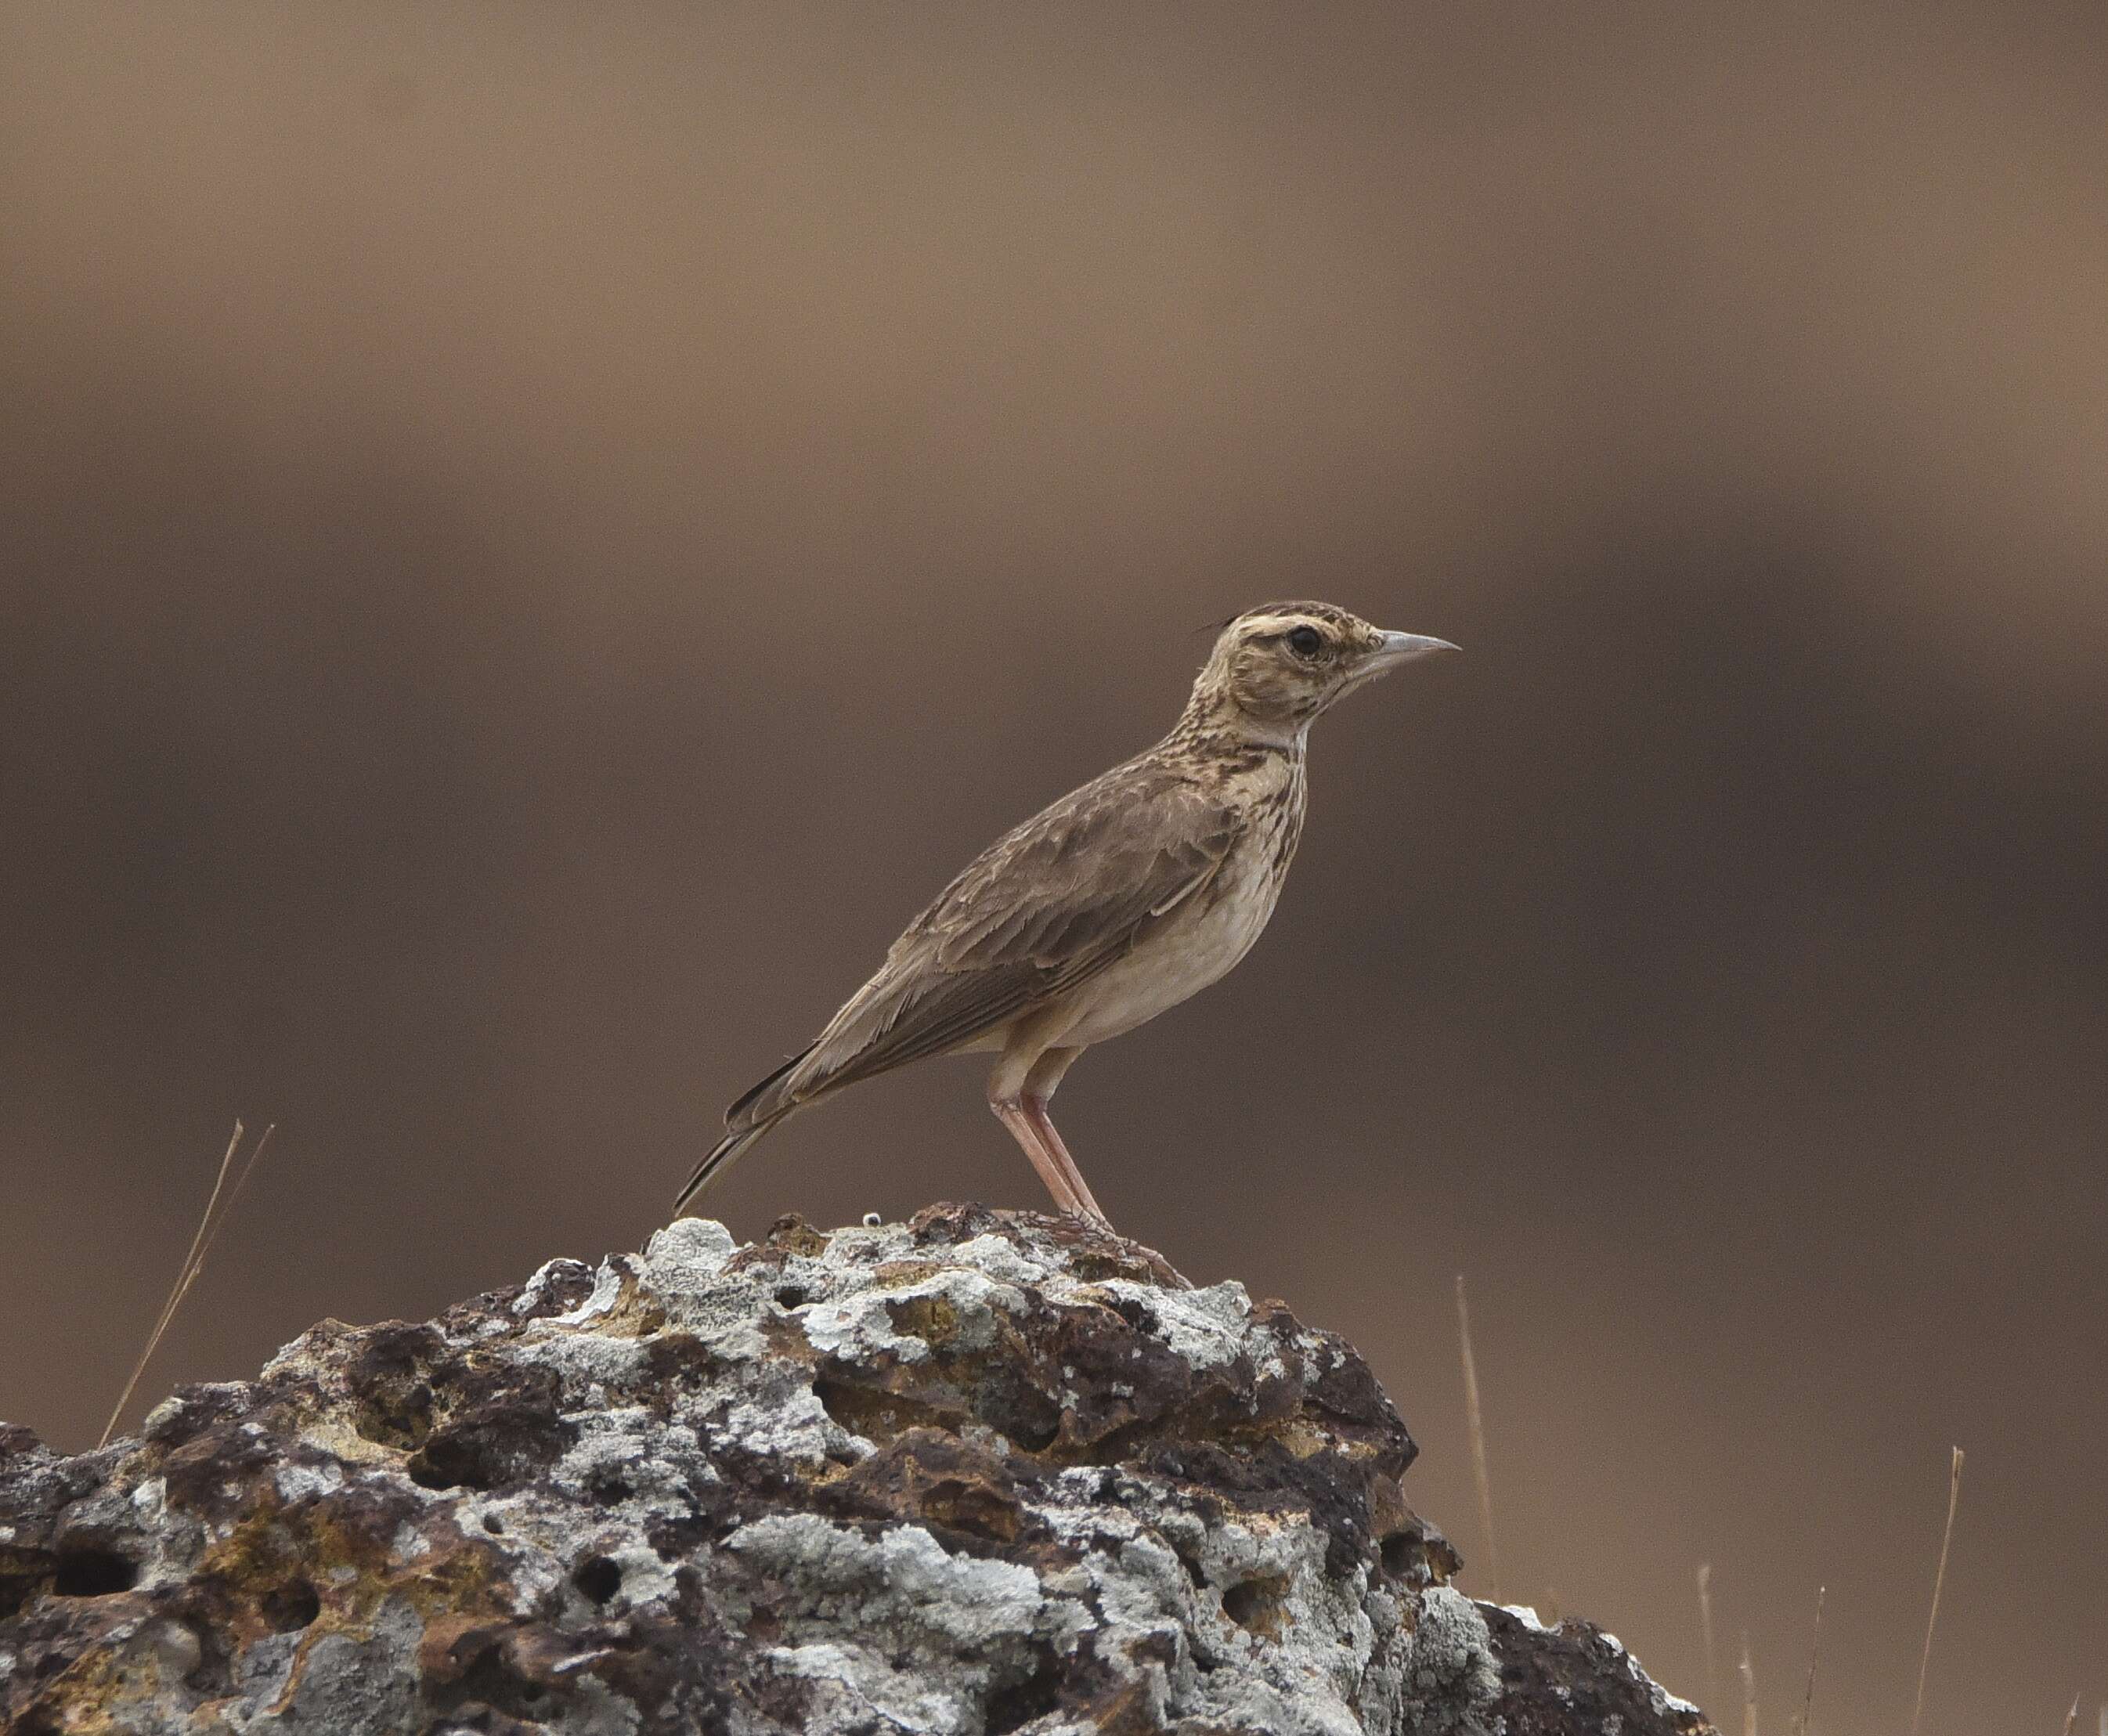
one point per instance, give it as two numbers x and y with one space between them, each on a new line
1814 1649
1749 1689
1478 1426
207 1232
1939 1581
1479 1441
1705 1623
2071 1717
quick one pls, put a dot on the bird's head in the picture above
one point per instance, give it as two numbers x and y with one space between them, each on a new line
1275 667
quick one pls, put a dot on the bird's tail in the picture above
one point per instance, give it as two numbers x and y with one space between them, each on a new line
760 1109
723 1156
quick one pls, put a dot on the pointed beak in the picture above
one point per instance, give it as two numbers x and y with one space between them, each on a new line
1402 648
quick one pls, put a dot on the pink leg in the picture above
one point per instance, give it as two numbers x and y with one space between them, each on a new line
1039 1087
1036 1108
1019 1120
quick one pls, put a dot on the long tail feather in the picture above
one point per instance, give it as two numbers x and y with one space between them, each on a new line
750 1110
723 1156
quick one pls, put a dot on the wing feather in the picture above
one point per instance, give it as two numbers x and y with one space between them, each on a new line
1042 909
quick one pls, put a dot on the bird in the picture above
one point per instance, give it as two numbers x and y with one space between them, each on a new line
1114 904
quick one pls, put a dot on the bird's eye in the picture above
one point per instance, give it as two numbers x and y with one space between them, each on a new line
1306 642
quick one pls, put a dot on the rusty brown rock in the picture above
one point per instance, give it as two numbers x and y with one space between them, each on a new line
983 1472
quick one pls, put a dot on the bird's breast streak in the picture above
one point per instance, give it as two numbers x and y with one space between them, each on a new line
1201 943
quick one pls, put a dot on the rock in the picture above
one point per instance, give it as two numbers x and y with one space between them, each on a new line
983 1471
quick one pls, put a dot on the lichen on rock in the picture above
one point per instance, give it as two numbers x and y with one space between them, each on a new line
980 1473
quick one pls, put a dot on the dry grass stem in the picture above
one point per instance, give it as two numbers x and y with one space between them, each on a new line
1814 1649
1705 1624
2071 1717
216 1207
1749 1689
1478 1426
1938 1581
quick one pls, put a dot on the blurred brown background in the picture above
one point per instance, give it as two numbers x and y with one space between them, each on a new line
532 539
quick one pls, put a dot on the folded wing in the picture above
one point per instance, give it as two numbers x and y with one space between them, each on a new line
1041 910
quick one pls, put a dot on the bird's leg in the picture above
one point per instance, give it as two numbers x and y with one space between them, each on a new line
1025 1057
1044 1125
1040 1084
1014 1115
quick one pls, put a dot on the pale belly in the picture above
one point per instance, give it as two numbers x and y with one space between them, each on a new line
1177 961
1199 941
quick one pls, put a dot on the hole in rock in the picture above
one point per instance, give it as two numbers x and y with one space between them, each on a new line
291 1606
1254 1604
597 1577
395 1417
1018 1703
492 1694
93 1573
453 1461
1035 1435
793 1295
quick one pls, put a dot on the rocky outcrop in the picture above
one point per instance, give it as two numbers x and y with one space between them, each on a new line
983 1472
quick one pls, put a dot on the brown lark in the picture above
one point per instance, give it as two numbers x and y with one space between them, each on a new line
1115 904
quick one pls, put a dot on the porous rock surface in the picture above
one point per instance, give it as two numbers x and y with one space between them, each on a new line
983 1472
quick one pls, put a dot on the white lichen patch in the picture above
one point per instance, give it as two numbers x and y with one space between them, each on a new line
687 1254
1260 1634
854 1690
1450 1669
590 1359
533 1292
903 1584
409 1543
299 1482
861 1325
1207 1328
858 1328
792 1425
644 1577
610 1279
652 1462
1003 1260
897 1626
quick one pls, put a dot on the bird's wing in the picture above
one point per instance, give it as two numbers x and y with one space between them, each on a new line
1043 908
